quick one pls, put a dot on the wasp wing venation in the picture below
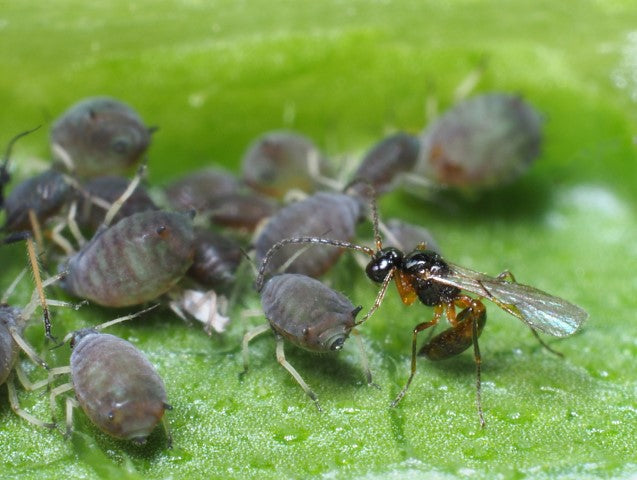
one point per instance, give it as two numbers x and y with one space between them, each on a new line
541 311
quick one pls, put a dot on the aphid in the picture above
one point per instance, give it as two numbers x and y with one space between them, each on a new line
281 161
243 211
99 136
383 165
216 259
406 236
198 189
423 274
321 213
114 383
134 261
483 142
105 191
308 314
35 200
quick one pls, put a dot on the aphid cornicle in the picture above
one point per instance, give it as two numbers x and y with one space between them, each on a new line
114 383
308 314
281 161
336 213
134 261
99 136
423 274
483 142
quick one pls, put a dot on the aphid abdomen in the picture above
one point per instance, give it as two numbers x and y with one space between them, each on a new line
117 387
456 340
332 214
134 261
307 313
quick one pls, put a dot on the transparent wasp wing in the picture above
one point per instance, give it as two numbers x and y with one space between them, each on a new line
541 311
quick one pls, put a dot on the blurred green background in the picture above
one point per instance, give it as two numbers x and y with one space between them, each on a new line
215 74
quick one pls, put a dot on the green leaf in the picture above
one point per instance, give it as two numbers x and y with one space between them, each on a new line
212 76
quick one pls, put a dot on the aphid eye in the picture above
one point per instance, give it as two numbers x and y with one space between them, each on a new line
338 344
120 146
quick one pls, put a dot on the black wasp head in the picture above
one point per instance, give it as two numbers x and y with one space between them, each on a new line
382 262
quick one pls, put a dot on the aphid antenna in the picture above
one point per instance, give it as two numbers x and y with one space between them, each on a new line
110 323
470 82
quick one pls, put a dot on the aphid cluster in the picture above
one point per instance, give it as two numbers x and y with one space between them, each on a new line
118 244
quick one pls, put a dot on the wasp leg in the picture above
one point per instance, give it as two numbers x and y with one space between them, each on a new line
417 329
467 328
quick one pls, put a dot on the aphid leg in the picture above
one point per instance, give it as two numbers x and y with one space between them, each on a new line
15 406
417 329
117 204
166 426
55 392
245 349
60 241
280 356
314 169
26 383
26 348
61 154
71 403
73 226
364 359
